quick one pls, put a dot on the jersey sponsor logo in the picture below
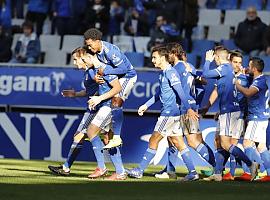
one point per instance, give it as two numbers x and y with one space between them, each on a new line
50 83
174 78
115 58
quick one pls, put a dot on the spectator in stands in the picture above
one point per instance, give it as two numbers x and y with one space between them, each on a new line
78 11
37 13
266 41
5 14
17 7
116 17
137 23
97 15
5 45
27 49
162 33
249 33
62 17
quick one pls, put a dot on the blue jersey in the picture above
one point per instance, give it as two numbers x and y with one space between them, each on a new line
242 100
258 108
111 55
199 88
91 87
227 92
187 81
106 87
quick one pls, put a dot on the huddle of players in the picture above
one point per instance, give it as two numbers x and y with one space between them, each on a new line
179 96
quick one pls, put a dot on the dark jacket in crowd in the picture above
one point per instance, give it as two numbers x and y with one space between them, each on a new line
62 7
116 17
39 6
142 26
5 15
249 35
266 38
5 47
191 13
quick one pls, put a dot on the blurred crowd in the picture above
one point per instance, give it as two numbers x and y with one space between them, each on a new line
162 20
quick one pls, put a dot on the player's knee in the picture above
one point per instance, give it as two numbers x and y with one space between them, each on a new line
247 143
117 102
261 147
225 144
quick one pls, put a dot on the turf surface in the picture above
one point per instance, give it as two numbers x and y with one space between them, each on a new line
26 180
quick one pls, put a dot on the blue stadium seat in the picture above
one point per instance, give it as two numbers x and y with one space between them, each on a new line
229 44
136 59
201 46
192 58
268 5
226 4
266 60
247 3
245 61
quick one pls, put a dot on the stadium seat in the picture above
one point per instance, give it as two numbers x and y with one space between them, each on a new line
15 39
229 44
70 42
247 3
219 32
55 57
17 22
226 4
141 45
201 46
266 60
136 59
49 42
209 17
245 61
192 58
233 17
124 42
265 16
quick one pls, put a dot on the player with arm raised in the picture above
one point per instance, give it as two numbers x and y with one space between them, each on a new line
109 54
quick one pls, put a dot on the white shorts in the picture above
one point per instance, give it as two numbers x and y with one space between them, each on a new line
256 131
189 126
86 120
127 85
168 126
241 128
228 123
103 118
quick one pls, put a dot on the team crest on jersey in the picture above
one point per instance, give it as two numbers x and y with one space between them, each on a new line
174 78
115 58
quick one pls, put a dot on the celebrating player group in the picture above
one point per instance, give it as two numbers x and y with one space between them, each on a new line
242 95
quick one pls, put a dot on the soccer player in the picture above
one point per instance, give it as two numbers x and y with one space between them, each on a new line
171 95
91 88
229 111
190 127
108 89
109 54
258 114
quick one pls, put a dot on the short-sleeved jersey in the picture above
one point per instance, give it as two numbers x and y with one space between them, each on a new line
258 108
227 92
91 87
111 55
242 100
187 81
167 79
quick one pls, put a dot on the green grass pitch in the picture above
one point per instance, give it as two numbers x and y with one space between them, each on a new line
26 180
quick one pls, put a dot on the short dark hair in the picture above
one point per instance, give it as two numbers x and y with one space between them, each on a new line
220 48
79 51
93 34
235 53
162 51
28 24
176 49
258 63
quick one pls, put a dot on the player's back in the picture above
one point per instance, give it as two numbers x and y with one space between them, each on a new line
167 96
112 55
227 92
258 108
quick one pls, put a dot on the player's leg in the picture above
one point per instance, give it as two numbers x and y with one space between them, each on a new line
117 110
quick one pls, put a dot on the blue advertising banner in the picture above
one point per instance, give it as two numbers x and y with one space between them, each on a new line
49 136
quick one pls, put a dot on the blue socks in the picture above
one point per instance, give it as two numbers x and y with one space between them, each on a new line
265 156
238 153
221 157
232 165
172 159
98 151
115 155
206 153
117 120
73 153
187 160
147 157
